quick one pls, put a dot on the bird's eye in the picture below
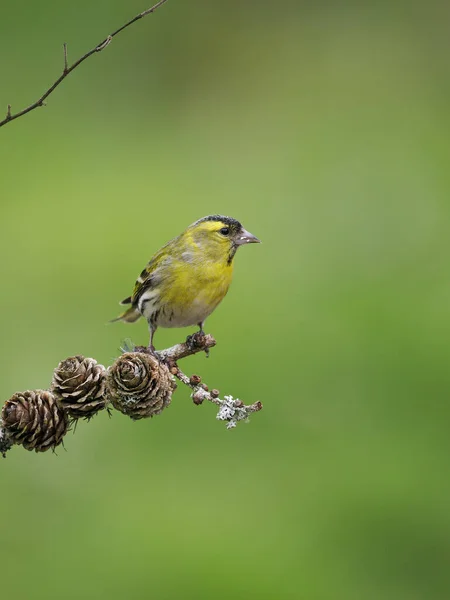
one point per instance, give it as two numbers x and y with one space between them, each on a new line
225 230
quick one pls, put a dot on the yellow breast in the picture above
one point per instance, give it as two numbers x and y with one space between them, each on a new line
193 291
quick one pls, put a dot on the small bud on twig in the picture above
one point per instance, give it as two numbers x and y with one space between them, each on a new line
197 398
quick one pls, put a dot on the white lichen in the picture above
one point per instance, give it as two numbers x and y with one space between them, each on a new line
232 411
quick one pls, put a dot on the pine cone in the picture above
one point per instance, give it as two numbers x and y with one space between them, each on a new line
79 385
139 385
34 419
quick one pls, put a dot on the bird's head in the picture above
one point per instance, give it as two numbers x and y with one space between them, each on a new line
220 236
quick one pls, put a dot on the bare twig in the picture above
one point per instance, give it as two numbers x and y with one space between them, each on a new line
67 70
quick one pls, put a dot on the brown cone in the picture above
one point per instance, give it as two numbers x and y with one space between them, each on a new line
79 385
139 385
34 419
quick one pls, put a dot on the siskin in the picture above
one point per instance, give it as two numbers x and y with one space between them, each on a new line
188 277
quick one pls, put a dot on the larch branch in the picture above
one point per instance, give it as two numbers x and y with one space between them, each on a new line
139 384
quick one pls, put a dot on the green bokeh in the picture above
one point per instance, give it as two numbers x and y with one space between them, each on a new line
324 128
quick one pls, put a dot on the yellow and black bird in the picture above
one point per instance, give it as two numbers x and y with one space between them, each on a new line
189 276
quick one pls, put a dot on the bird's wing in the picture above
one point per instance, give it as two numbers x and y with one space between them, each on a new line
145 281
156 270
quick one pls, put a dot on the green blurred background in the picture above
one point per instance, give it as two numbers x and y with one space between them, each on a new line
325 129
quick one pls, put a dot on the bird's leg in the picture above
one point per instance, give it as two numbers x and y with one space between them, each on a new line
151 347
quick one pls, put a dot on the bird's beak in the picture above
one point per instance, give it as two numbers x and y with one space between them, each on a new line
245 237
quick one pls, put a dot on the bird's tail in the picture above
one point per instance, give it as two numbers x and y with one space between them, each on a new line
129 316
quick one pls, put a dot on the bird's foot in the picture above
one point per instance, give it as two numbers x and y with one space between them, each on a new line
197 340
141 349
152 350
146 350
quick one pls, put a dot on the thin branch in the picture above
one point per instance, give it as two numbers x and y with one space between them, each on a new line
230 410
67 70
195 343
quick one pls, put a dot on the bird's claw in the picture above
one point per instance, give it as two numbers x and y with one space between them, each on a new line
147 350
143 349
196 340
